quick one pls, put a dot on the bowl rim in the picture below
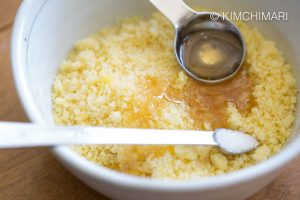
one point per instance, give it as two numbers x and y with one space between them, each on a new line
70 158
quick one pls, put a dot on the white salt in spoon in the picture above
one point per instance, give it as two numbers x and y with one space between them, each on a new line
17 135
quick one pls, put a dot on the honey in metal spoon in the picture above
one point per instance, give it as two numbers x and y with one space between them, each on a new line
211 54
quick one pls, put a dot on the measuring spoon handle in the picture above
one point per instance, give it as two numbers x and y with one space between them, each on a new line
175 10
16 135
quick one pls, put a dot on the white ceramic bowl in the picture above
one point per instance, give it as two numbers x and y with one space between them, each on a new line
44 32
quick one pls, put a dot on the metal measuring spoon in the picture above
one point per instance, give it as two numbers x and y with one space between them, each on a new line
208 46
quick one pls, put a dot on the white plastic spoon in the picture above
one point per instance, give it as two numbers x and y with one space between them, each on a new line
16 135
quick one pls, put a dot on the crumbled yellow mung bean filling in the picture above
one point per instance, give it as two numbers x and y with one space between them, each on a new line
120 76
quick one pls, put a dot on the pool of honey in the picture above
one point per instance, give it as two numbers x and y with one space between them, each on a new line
208 103
205 103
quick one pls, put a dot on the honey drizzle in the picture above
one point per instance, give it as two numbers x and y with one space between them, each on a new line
205 103
208 103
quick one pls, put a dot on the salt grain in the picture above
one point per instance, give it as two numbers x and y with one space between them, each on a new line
235 141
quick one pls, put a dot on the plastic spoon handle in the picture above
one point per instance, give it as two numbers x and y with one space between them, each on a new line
175 10
15 135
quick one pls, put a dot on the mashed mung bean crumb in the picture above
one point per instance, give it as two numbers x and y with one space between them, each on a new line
106 80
